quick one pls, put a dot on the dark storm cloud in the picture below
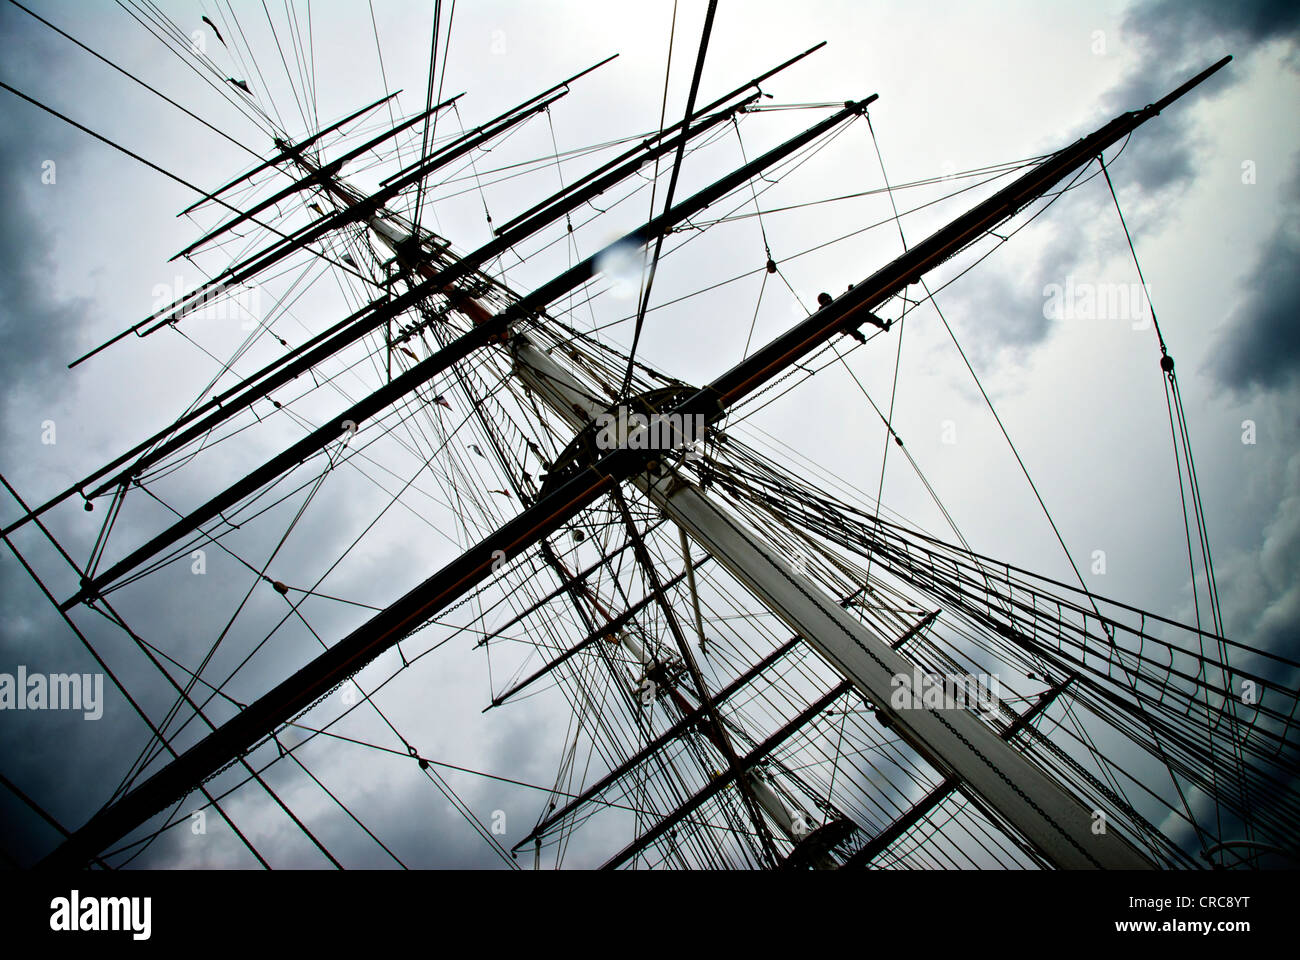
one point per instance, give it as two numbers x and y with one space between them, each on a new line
37 327
1176 29
36 324
1259 346
1005 307
1175 40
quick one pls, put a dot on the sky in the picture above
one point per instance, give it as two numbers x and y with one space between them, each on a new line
1210 191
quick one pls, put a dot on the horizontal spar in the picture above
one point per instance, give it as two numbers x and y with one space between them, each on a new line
581 182
361 209
287 150
723 780
854 307
650 749
298 692
239 272
604 630
308 181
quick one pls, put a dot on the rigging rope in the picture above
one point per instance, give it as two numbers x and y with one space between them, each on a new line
1183 457
672 180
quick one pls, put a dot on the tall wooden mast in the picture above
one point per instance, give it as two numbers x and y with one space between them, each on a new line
980 763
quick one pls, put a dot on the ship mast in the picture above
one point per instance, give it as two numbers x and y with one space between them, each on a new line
970 755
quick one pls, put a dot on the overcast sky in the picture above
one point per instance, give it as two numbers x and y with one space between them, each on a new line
1210 190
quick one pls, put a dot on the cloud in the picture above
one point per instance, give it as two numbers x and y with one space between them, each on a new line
1005 313
1259 346
36 324
1260 586
1174 40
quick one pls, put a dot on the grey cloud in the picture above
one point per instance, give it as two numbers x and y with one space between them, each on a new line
1259 346
1262 585
1173 27
36 325
1177 38
1004 311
